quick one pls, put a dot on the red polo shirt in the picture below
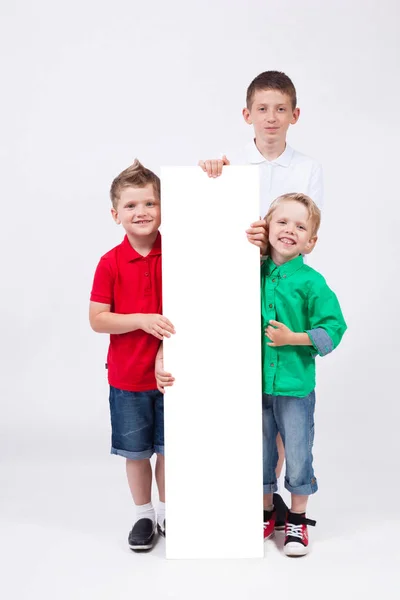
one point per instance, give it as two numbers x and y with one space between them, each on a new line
130 283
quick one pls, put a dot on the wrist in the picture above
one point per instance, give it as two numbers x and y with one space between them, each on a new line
300 339
140 320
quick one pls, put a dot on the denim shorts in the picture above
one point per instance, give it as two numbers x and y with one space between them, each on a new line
293 418
137 423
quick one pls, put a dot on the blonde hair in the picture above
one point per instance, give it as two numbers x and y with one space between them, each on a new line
134 176
314 213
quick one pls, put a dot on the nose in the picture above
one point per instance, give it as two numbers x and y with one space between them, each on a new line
271 117
289 228
140 210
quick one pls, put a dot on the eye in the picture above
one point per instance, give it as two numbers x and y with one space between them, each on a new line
301 227
130 205
282 222
282 109
149 203
261 109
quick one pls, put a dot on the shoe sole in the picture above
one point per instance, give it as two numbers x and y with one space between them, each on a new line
141 548
295 549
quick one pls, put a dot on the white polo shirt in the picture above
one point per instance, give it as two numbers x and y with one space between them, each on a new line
290 172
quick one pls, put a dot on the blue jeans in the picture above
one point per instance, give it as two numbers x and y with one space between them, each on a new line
293 418
137 423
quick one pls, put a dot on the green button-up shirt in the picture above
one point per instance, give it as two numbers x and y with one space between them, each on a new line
299 297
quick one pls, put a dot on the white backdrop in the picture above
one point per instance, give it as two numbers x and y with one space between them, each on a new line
86 87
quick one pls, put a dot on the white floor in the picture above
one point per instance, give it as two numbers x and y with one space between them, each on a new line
63 530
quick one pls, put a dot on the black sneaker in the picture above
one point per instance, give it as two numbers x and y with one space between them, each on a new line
281 512
161 528
142 535
296 534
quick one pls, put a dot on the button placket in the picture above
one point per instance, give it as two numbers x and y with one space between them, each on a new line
147 289
271 356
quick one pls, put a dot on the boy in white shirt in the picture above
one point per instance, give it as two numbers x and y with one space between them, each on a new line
271 107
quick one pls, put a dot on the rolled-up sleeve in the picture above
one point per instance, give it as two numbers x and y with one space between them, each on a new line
321 340
326 321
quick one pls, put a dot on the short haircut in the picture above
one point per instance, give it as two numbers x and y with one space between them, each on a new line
134 176
271 80
313 211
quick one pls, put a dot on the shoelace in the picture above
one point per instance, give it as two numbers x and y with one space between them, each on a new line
294 530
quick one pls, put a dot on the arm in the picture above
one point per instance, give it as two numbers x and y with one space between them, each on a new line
102 320
280 335
327 324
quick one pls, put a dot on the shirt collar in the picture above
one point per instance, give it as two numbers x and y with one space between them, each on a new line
254 156
129 254
285 270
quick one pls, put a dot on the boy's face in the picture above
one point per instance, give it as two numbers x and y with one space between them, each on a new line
290 232
138 211
271 114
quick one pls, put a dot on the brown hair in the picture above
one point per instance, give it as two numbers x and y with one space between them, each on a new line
313 211
134 176
272 80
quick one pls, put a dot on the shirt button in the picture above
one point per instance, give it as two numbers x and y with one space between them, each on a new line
146 274
272 365
273 281
271 305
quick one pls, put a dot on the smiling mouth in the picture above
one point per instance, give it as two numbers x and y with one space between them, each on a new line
287 241
141 222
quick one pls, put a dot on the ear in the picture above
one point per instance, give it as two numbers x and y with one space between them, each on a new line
295 116
115 216
246 116
311 244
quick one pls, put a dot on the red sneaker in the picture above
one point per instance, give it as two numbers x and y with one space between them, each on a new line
296 534
269 523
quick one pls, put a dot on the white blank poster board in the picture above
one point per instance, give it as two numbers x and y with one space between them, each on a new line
213 424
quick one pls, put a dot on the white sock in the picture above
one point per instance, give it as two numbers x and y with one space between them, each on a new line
161 513
145 511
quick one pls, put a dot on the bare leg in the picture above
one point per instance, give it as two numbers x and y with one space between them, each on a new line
160 477
139 479
299 503
267 501
281 455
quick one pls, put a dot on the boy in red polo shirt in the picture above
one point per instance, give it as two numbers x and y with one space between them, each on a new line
126 303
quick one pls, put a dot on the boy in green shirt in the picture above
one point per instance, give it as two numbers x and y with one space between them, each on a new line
301 318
